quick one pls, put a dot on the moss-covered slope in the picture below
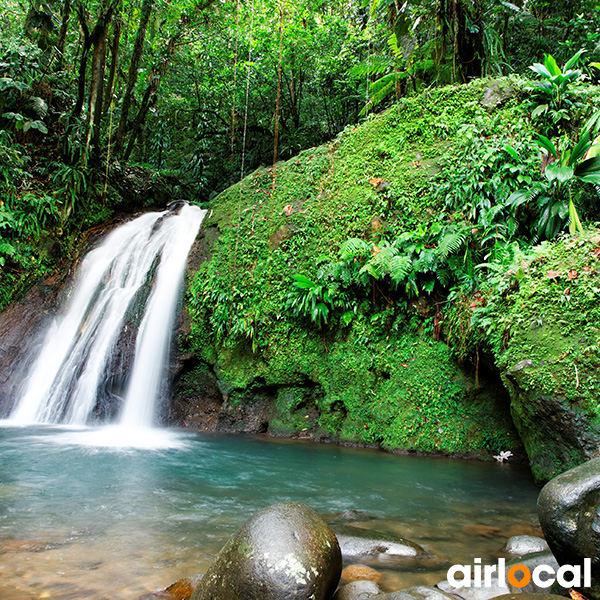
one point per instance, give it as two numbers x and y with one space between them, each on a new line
545 333
376 376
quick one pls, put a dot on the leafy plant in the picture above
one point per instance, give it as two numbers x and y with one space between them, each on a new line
555 88
319 301
555 193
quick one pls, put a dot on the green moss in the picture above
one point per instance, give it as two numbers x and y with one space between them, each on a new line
546 337
378 381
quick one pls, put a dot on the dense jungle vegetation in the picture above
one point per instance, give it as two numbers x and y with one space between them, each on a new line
438 143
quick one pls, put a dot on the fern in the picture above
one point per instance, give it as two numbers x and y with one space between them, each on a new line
353 247
451 243
401 267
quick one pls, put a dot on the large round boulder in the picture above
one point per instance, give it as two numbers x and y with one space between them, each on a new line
569 513
284 551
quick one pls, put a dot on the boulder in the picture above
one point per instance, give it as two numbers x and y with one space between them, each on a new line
569 513
284 551
525 544
357 543
357 590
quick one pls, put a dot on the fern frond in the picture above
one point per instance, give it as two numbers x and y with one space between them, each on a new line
401 266
354 247
451 243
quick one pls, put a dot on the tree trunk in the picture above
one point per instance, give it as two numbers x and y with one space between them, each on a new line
138 48
62 35
114 60
96 90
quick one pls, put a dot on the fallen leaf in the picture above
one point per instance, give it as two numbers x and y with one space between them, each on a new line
288 209
553 274
572 274
375 181
596 252
575 595
375 251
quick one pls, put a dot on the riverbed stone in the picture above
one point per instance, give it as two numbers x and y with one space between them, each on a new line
475 593
517 596
357 590
284 551
531 561
569 513
360 572
524 544
417 592
357 543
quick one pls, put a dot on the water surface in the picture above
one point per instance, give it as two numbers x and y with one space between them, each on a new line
112 514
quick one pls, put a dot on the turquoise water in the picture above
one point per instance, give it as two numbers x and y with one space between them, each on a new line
111 514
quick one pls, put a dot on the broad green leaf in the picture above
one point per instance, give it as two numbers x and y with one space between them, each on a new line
545 143
542 109
573 60
583 145
575 223
512 152
302 282
541 70
558 172
551 66
589 170
517 198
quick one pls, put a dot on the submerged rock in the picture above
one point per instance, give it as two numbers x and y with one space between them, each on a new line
357 543
359 573
525 544
284 551
569 513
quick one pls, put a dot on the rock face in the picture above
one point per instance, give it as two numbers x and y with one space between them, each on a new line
18 328
557 434
284 551
569 513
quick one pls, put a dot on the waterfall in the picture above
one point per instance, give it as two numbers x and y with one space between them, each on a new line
134 276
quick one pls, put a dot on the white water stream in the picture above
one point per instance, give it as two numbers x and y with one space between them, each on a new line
71 369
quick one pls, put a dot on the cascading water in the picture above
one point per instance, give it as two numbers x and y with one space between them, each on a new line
134 276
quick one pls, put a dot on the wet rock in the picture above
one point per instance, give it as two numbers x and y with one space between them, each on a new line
525 544
360 572
357 543
475 593
569 513
516 596
284 551
531 561
180 590
418 592
357 590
